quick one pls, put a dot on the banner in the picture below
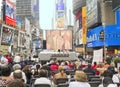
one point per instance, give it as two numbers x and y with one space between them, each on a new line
98 56
84 25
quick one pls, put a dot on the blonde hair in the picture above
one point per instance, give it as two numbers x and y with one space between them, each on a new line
61 70
77 64
80 76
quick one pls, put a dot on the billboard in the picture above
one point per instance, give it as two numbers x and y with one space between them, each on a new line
0 9
10 12
112 36
60 14
116 5
7 36
84 25
60 5
60 21
59 39
35 9
93 13
18 22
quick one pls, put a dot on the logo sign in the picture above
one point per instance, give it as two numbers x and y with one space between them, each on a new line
60 5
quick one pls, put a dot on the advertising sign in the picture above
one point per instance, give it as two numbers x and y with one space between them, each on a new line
84 25
37 44
112 36
22 39
18 22
7 36
0 9
59 39
60 21
35 9
93 12
116 5
10 12
60 14
80 36
93 37
60 5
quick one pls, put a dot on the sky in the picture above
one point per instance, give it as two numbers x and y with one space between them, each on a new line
47 12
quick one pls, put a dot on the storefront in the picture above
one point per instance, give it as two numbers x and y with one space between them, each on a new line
111 41
6 38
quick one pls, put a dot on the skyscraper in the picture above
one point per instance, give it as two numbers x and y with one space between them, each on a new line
29 9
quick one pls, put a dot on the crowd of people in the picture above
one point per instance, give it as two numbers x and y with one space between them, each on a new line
17 72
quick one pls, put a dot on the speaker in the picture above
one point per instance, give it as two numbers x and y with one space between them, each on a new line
44 44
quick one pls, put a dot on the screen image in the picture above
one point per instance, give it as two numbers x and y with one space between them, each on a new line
59 39
10 12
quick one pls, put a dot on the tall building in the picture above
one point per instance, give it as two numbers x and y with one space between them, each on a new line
29 9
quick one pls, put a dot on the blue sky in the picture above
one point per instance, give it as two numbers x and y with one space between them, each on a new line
47 12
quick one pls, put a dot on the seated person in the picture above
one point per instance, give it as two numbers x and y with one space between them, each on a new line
18 67
5 78
107 82
17 75
15 83
80 80
89 70
61 74
43 74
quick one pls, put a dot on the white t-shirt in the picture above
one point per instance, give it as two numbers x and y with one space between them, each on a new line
42 80
79 84
116 78
17 59
110 85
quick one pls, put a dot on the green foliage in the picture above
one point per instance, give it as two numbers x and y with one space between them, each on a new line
116 60
108 60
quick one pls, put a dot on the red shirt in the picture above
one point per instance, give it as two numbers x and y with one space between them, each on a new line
54 67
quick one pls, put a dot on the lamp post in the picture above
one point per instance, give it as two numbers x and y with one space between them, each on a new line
104 26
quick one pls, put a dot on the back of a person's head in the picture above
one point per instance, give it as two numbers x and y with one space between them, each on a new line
5 70
61 70
15 83
107 81
17 74
107 73
80 76
37 66
95 63
16 67
43 73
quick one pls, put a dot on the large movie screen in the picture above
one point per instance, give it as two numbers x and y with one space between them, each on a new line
59 39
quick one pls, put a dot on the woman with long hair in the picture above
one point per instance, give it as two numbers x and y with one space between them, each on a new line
61 74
